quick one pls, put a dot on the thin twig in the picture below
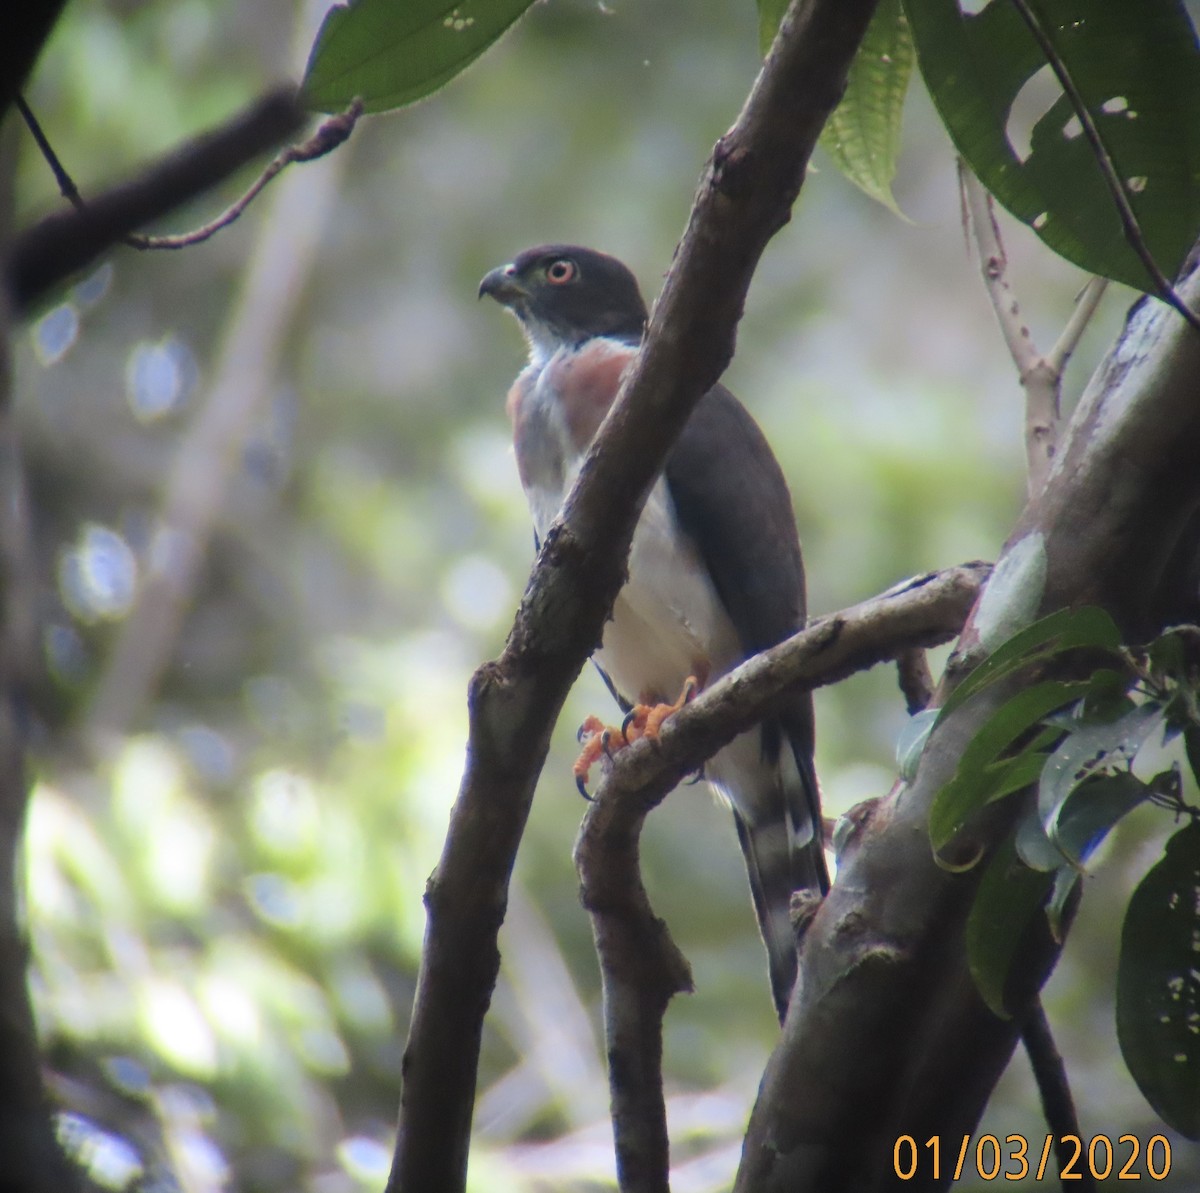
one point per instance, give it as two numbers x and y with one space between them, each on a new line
993 261
66 184
1057 1104
1085 307
1041 376
1117 188
331 133
1043 415
59 246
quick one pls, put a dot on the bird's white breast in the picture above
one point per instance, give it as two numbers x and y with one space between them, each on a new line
668 622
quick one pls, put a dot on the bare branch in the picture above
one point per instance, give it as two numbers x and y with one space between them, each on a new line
1085 307
1057 1104
745 196
924 611
916 680
993 261
1041 383
66 184
50 252
641 970
331 133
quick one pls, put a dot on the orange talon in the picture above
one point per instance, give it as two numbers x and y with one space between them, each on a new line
643 720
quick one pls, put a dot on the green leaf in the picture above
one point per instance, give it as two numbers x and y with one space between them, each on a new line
1137 67
982 775
1066 878
863 133
1034 848
1009 900
1158 984
1089 749
1090 812
1064 630
391 53
911 742
770 13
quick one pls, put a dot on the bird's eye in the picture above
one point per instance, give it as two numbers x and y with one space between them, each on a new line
560 272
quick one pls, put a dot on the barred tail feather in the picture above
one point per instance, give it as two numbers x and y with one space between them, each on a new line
777 811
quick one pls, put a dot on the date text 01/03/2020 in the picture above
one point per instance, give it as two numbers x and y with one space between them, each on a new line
1014 1159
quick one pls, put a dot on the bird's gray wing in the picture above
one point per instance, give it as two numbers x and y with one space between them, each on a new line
732 500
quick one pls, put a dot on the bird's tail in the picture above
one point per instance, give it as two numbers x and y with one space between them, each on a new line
783 845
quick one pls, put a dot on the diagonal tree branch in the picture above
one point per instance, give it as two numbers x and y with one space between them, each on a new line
924 611
745 196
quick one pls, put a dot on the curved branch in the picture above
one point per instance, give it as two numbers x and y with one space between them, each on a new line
924 611
745 196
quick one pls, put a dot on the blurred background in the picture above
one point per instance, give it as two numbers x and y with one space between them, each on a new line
276 524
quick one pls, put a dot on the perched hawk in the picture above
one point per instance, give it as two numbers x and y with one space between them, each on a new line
715 573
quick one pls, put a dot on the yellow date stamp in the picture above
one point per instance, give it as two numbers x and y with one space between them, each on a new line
988 1158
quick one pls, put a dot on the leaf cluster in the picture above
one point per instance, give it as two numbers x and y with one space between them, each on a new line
1068 747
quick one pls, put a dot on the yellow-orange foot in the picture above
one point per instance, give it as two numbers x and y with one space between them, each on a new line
642 720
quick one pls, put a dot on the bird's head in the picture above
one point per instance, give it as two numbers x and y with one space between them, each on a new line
564 295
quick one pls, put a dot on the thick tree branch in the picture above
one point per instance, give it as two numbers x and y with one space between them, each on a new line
745 196
873 1043
50 252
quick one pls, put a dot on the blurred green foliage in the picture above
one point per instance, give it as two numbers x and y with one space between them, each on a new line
225 893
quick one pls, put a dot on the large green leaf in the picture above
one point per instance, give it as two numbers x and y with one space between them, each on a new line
389 53
863 134
1089 813
983 775
1009 899
1158 984
1089 750
1137 67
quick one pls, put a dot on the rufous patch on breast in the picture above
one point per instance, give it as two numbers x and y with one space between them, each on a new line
586 382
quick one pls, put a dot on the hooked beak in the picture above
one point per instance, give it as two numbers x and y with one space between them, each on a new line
502 285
